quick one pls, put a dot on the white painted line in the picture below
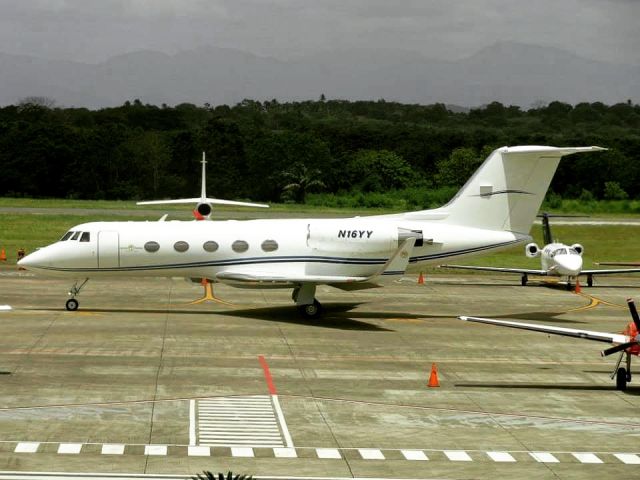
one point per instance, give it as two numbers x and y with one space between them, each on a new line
70 448
414 455
283 424
544 457
155 449
457 455
194 451
281 452
587 458
328 453
5 307
27 447
112 449
628 458
501 457
371 454
242 452
192 422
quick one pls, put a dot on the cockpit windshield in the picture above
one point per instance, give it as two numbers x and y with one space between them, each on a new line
73 235
66 236
559 251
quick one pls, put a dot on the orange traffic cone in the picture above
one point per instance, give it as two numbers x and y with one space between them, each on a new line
420 279
3 255
578 289
433 378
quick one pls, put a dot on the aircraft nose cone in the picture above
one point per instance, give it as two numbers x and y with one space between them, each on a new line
33 260
569 265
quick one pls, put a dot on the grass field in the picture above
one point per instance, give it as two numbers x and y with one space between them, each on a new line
30 229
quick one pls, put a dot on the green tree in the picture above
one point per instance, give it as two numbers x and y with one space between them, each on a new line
300 180
379 171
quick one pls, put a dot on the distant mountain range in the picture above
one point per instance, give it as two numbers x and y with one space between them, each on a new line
511 73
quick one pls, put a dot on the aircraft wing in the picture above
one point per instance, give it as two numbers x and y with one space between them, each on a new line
609 271
215 201
230 276
567 332
499 269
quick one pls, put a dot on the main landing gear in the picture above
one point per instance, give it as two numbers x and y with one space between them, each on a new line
524 279
72 304
622 374
304 296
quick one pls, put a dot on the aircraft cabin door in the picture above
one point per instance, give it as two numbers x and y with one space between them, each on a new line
108 249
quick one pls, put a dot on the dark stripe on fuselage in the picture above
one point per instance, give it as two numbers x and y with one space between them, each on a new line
275 260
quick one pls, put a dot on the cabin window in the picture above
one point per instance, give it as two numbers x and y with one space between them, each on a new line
66 236
85 237
210 246
240 246
269 246
152 246
181 246
76 235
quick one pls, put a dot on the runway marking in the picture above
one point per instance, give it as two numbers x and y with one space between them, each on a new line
416 455
544 457
160 450
628 458
501 457
27 447
326 453
371 454
587 458
238 421
112 449
5 308
594 302
70 448
458 456
194 451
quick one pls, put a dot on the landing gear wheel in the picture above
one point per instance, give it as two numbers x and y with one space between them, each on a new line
590 281
621 379
72 304
569 286
312 310
524 280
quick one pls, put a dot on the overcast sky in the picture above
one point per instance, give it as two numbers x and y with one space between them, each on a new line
93 30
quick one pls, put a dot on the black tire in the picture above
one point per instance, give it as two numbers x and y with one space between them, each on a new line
621 379
72 305
313 310
524 280
589 281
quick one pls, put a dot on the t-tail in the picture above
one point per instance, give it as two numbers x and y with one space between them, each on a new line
506 191
204 204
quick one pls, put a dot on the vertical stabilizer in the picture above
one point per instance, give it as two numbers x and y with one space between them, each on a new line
506 191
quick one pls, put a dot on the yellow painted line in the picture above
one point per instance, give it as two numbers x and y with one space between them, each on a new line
594 302
210 297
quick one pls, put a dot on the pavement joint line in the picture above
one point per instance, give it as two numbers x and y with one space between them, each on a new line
331 453
474 412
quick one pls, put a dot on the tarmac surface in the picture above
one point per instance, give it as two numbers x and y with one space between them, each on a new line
159 377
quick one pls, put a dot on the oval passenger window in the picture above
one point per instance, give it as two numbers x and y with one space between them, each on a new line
152 246
240 246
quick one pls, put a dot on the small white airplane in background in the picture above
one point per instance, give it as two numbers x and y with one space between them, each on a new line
492 211
203 204
556 259
627 342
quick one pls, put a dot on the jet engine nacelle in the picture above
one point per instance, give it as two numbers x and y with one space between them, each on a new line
532 250
202 211
353 237
578 248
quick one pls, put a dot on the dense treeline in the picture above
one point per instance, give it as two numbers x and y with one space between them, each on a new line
272 152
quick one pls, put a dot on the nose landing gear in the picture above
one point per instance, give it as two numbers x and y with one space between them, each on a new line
72 304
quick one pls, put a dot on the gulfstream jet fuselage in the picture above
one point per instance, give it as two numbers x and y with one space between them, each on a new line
493 211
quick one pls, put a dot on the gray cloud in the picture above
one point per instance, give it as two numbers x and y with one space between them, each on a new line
92 30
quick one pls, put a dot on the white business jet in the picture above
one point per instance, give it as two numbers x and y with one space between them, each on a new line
556 259
493 210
